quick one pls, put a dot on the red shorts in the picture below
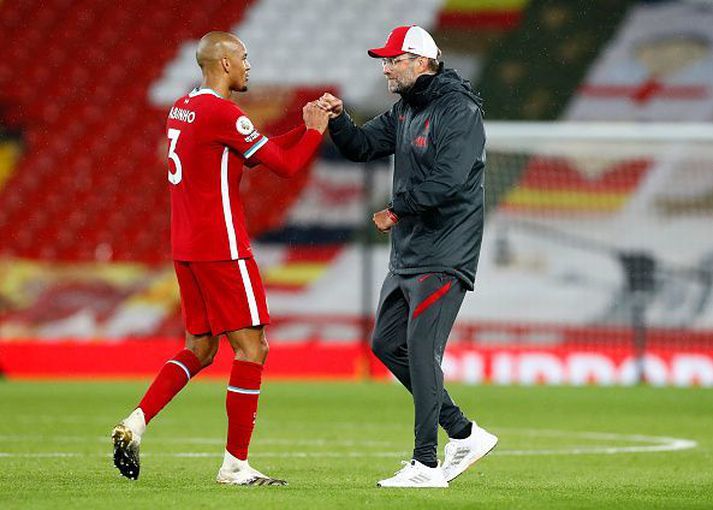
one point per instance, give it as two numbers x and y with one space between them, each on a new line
220 296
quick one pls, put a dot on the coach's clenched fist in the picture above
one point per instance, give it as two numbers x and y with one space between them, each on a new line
331 104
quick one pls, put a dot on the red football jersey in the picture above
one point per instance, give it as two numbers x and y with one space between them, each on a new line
209 140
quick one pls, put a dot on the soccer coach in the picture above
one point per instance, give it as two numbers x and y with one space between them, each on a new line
435 132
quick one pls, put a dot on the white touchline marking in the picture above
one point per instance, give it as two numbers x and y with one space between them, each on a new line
43 455
323 442
299 455
672 445
198 440
655 444
80 419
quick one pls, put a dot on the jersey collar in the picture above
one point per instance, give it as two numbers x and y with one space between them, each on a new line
199 92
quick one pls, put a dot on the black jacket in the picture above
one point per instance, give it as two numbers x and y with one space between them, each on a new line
435 132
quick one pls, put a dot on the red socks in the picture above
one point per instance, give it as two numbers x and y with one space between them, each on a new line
174 375
241 405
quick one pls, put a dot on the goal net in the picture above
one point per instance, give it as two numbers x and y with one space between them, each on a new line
597 234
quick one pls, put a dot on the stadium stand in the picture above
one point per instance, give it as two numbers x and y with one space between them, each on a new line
90 186
83 202
536 67
283 55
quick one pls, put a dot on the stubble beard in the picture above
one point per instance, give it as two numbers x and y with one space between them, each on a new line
243 87
394 86
399 85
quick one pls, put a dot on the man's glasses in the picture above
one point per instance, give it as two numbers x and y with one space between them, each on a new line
392 61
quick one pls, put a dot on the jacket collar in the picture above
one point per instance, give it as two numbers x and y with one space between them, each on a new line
421 92
429 87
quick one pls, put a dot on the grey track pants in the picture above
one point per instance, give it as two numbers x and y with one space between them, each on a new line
413 320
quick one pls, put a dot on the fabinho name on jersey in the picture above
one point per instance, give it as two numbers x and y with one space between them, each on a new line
182 115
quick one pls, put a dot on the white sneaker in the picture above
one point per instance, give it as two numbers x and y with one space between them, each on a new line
126 437
414 474
463 453
238 472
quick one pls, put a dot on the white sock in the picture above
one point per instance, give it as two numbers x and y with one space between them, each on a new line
136 421
233 463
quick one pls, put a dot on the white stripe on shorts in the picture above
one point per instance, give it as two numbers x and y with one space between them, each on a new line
252 304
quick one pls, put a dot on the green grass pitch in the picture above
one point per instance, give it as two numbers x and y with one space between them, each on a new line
559 448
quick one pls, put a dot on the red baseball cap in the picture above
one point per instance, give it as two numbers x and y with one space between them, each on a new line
407 39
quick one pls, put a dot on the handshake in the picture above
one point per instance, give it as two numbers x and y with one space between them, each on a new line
316 114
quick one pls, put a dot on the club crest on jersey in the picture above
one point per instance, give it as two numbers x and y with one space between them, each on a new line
422 140
244 126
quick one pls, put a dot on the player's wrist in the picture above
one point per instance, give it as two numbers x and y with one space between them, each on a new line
314 130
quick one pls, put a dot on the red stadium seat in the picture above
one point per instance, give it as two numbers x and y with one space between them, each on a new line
91 173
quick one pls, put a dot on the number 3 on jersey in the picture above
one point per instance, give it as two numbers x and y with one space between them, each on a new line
175 177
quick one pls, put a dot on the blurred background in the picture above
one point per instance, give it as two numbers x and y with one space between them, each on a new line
597 264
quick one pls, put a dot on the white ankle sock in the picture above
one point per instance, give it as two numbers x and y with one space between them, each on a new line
233 463
136 421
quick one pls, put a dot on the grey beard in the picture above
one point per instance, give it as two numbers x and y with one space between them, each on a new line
403 89
400 88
